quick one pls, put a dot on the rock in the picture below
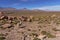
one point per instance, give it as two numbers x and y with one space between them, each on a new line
36 19
1 14
31 17
23 18
22 26
53 15
41 37
29 20
19 24
7 26
10 18
9 21
4 17
15 18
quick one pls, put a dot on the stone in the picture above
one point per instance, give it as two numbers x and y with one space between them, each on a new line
41 36
22 26
29 20
23 18
4 17
1 14
7 26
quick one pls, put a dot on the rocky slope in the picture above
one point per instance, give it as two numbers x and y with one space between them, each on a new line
29 28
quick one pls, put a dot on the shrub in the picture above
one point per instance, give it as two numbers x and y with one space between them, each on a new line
49 35
1 34
2 37
44 32
34 34
36 39
15 21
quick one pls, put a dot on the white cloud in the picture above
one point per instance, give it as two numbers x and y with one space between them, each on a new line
49 8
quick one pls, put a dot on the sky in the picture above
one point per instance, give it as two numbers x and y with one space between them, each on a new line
32 4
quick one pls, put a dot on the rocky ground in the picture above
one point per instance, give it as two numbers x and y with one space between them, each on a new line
29 28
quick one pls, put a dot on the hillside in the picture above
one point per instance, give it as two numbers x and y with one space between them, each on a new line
29 25
27 12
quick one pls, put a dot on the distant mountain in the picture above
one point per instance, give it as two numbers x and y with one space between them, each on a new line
14 10
7 9
25 12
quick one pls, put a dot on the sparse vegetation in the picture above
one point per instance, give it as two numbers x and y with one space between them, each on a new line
49 35
32 25
34 34
2 37
44 32
36 39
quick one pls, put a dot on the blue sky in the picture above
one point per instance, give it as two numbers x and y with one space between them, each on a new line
32 4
